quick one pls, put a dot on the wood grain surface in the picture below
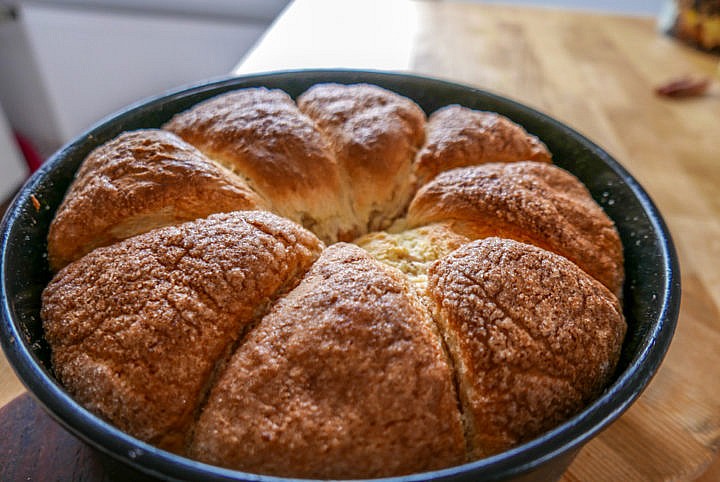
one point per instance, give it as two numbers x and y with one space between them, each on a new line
40 449
596 73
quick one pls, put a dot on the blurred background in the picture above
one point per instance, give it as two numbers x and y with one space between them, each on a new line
65 64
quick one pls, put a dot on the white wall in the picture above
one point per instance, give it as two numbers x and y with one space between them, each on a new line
12 166
229 10
22 90
66 64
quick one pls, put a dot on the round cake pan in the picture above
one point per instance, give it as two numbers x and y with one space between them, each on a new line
651 291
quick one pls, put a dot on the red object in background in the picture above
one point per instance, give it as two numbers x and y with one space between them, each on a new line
32 158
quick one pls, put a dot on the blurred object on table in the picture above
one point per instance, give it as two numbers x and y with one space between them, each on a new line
684 87
696 22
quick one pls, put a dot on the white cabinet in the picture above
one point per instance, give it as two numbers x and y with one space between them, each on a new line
68 63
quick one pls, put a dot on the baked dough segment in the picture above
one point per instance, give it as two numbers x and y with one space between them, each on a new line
461 137
261 135
533 337
374 134
136 182
532 202
345 377
137 328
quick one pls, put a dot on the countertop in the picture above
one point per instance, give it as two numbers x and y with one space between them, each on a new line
596 73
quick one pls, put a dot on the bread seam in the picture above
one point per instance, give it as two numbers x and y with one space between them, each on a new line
229 169
346 184
465 416
221 364
426 305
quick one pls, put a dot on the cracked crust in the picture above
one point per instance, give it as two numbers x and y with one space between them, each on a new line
534 338
262 135
139 181
345 377
532 202
138 327
461 137
374 134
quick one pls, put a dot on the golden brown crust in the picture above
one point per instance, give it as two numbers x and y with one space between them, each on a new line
261 135
530 202
345 377
374 134
461 137
534 338
139 181
137 328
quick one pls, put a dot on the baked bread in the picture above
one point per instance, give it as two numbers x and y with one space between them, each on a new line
412 251
532 202
261 135
374 134
323 367
138 328
462 137
139 181
197 307
533 338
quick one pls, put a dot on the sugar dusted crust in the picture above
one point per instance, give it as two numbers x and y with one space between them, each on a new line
462 137
346 365
533 338
531 202
137 182
238 339
137 328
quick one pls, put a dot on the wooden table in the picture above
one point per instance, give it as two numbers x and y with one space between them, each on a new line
595 73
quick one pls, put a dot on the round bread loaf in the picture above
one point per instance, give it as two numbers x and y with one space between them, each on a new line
196 306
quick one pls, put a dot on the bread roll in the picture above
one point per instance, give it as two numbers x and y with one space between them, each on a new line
136 182
137 328
262 136
461 137
531 202
374 135
533 338
346 377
